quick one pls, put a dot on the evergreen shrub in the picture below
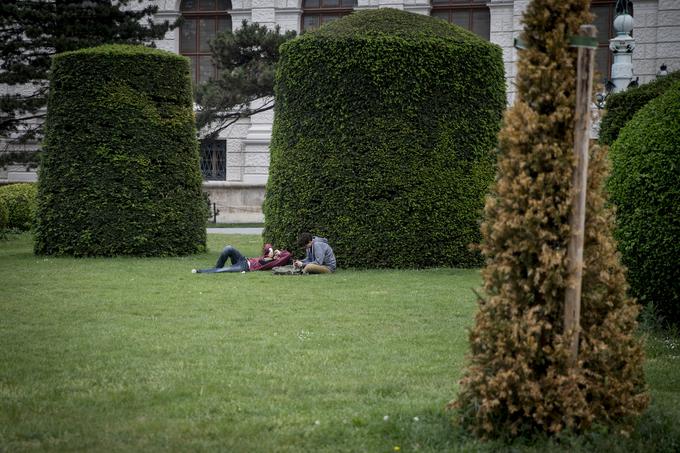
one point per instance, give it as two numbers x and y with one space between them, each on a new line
383 139
645 188
521 380
20 202
4 218
621 107
120 172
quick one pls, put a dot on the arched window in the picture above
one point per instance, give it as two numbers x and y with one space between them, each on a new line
605 13
203 20
472 15
315 13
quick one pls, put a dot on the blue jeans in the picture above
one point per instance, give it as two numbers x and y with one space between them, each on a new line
239 263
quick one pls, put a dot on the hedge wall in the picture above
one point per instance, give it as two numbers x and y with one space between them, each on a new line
4 218
383 139
645 188
120 172
621 107
20 202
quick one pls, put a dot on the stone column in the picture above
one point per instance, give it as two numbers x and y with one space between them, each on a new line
255 148
240 10
502 33
288 15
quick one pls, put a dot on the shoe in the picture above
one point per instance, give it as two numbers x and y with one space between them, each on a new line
194 271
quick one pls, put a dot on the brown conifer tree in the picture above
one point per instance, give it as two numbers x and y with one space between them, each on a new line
520 380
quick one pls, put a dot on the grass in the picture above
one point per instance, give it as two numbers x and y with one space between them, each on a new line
129 354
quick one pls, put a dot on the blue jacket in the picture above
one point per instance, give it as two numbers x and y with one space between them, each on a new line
320 253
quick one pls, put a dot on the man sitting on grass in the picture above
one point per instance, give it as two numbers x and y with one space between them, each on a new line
320 257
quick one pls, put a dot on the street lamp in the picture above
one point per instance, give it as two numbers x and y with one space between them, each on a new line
622 46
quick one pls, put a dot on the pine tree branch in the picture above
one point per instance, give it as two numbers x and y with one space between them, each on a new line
222 120
246 62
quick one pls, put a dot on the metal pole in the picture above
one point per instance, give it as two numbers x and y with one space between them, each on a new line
584 87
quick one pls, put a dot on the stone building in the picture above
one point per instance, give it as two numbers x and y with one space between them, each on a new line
235 166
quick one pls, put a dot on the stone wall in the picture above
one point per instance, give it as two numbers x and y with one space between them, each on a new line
503 32
657 37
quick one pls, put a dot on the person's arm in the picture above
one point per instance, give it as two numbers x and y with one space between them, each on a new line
318 253
308 257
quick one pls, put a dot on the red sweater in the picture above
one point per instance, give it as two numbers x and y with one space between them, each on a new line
262 264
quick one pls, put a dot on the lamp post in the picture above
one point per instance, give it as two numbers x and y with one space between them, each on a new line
622 46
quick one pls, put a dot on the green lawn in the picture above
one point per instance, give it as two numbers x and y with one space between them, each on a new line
129 354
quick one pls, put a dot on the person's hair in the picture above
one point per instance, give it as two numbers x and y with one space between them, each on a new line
304 239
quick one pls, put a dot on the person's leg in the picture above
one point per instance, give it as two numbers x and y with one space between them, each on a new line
214 270
313 268
231 253
239 263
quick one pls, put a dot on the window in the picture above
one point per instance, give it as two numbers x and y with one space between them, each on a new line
214 160
203 20
604 11
472 15
319 12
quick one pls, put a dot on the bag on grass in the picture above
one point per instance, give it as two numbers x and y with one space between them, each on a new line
286 270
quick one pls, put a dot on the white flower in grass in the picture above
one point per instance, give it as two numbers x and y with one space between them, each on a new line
386 417
317 423
304 335
416 419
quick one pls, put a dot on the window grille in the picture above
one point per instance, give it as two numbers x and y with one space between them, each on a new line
214 160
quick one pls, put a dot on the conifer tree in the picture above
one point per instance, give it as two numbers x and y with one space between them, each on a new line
520 381
246 60
32 31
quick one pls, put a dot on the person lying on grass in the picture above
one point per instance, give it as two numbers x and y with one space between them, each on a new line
240 263
320 257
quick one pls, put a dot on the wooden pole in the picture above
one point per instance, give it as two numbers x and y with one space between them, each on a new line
584 88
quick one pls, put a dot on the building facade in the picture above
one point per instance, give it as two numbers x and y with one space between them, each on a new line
235 166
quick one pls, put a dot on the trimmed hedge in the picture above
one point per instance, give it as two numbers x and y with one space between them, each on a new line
120 171
621 107
20 203
645 188
4 218
383 139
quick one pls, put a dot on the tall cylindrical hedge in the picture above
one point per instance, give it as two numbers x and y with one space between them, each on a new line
383 139
120 173
645 187
4 218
